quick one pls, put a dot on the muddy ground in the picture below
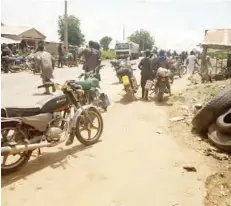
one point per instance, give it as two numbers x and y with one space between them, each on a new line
140 159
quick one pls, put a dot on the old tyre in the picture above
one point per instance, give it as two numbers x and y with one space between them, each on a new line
83 124
224 122
212 110
24 156
221 140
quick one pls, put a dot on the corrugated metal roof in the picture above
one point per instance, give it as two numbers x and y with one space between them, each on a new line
220 37
8 41
14 30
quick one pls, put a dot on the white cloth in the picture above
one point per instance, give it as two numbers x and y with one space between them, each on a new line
191 64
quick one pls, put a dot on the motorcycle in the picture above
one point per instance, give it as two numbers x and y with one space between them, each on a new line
160 85
13 63
46 125
116 65
91 87
129 81
30 62
177 69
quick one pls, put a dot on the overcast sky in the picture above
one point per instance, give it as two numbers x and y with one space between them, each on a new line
175 24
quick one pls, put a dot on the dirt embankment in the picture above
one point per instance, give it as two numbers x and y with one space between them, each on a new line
183 109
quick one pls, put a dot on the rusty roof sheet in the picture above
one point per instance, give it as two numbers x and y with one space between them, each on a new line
219 37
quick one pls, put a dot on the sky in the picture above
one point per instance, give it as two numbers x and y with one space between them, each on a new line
175 24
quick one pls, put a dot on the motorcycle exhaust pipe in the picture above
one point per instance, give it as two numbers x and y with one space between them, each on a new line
22 148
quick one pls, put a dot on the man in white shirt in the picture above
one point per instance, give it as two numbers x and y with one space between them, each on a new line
190 62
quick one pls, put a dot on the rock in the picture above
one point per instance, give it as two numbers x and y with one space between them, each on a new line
198 106
177 119
190 169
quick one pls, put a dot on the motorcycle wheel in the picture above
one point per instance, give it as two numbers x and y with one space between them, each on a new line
24 156
183 70
82 120
159 95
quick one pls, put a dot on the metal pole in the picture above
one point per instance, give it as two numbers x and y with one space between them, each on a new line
123 33
65 26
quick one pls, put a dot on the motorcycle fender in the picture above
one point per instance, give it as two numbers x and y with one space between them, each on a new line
162 87
78 113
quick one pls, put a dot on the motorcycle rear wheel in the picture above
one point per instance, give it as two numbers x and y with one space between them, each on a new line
159 95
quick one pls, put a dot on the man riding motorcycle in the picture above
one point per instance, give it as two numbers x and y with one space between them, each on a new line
161 61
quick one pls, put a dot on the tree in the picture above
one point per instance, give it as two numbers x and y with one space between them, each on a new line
143 38
75 36
105 42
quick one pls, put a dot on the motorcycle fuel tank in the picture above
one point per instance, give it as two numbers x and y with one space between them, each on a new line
53 103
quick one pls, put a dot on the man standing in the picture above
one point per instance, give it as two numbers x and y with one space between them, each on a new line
190 62
229 64
91 56
60 53
146 72
46 62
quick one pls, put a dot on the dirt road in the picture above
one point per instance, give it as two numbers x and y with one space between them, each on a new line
137 163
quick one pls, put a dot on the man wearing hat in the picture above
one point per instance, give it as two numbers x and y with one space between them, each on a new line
146 72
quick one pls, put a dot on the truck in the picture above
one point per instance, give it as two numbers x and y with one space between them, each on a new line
127 49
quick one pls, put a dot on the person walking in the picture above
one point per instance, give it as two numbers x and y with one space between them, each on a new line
46 62
191 62
146 72
91 56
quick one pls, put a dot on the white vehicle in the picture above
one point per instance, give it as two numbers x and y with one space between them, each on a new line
127 49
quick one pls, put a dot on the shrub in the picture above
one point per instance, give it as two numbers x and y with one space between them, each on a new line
108 54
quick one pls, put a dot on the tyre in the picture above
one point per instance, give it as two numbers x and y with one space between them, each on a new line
183 70
83 122
159 94
224 122
212 110
24 156
130 95
222 141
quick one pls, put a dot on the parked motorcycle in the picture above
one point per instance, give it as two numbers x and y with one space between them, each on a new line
30 63
129 81
46 125
116 64
13 63
92 90
177 69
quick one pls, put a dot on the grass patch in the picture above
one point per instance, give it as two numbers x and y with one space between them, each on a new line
108 55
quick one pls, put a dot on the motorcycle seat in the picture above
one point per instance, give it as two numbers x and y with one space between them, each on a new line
20 111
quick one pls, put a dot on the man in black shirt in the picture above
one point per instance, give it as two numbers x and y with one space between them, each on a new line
146 72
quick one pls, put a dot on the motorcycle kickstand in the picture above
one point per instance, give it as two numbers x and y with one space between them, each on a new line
39 152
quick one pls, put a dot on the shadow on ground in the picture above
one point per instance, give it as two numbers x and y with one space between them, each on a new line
52 159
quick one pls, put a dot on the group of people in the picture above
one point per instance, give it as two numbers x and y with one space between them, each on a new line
149 66
91 52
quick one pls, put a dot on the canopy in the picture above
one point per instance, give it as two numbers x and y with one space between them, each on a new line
8 41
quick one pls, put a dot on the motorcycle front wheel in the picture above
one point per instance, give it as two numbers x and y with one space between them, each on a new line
87 123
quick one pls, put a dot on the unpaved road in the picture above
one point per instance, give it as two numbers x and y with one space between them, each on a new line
137 163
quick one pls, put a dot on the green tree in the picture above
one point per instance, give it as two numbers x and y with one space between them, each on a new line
105 42
143 38
75 36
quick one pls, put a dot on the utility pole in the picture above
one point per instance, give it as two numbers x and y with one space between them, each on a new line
65 26
123 33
